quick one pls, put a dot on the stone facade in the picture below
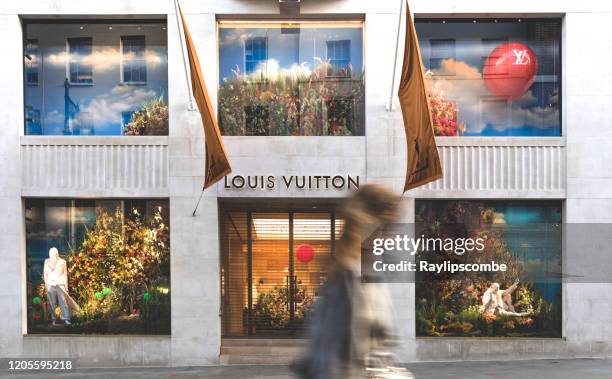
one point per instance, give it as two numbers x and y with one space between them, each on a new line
172 167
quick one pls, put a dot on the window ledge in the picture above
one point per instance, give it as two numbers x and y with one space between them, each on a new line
95 140
500 141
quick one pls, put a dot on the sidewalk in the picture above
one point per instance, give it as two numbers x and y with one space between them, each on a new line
540 369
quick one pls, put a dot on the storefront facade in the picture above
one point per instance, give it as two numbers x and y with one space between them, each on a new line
98 137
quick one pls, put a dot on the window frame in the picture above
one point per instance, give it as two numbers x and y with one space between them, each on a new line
229 21
490 18
244 54
122 61
69 62
35 66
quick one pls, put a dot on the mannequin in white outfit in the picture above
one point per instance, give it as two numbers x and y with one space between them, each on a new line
56 280
495 300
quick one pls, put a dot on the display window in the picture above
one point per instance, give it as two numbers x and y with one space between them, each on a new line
522 300
493 77
97 266
96 77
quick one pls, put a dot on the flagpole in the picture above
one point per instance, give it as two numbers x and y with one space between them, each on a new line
198 203
190 105
399 26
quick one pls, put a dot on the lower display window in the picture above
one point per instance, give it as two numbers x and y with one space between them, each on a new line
98 266
523 301
272 265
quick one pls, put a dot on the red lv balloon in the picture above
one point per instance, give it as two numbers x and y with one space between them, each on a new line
305 253
510 70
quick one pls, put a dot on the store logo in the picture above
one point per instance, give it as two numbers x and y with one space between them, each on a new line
521 57
299 182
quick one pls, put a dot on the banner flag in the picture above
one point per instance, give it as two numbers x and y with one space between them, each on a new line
217 163
423 160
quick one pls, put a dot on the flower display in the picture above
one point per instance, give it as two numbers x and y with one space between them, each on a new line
450 304
150 120
298 101
272 308
444 114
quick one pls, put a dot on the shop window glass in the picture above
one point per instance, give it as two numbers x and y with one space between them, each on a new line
113 275
31 61
473 66
526 236
290 69
89 73
339 56
133 59
255 53
79 60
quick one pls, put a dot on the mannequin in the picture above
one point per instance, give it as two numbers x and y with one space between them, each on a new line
56 282
497 301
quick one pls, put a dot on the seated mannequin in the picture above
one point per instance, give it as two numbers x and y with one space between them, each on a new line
499 302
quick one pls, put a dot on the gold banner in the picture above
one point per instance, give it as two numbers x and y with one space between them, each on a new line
423 160
217 163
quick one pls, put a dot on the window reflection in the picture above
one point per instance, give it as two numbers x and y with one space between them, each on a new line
96 78
458 53
279 78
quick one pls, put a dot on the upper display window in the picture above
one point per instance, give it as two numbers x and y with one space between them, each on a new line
96 77
493 77
291 78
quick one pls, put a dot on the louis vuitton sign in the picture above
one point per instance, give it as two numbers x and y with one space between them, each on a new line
290 182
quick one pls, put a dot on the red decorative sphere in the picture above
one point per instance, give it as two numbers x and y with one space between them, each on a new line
510 70
305 253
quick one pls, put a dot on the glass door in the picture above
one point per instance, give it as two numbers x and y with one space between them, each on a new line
272 266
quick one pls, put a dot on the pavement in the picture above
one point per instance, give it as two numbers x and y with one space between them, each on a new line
537 369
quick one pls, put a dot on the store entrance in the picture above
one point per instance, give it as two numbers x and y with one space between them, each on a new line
273 262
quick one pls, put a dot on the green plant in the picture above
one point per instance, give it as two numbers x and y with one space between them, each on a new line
292 102
150 120
272 307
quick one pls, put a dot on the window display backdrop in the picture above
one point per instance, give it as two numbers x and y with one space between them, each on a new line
96 77
524 301
113 271
493 77
291 78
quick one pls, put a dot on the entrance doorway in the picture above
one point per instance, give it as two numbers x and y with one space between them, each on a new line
272 265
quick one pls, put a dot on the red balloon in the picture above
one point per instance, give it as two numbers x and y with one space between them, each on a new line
305 253
510 70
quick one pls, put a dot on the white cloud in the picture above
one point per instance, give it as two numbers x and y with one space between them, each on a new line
103 59
467 88
107 108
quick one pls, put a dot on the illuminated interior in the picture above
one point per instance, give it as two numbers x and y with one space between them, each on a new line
273 264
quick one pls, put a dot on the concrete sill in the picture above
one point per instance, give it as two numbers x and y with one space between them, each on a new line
94 140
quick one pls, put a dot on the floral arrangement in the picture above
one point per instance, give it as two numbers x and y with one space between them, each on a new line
119 276
272 308
119 261
444 114
150 120
449 304
298 101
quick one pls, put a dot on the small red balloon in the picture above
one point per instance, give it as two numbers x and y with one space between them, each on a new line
305 253
510 70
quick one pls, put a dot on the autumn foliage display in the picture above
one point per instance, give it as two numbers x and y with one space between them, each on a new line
298 101
119 276
444 114
450 304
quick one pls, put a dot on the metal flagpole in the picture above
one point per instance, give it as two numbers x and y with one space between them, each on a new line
399 26
190 105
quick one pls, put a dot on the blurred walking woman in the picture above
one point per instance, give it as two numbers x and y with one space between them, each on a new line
350 318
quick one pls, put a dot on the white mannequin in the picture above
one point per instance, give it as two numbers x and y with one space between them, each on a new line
493 300
56 281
